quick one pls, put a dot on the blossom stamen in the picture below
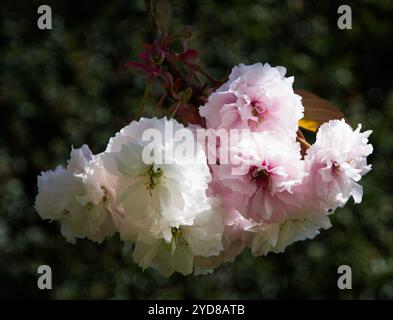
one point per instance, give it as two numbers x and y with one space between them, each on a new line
154 178
259 111
177 238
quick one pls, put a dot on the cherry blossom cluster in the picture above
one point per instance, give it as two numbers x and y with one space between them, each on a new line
186 213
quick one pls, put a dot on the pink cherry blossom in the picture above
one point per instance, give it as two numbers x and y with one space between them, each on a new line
271 169
256 97
336 162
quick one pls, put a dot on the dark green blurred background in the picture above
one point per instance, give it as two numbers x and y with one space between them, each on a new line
68 86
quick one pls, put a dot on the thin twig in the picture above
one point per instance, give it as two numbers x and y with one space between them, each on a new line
151 17
144 98
304 142
204 72
175 108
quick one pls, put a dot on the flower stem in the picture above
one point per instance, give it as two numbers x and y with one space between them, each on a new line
144 98
175 108
152 18
304 142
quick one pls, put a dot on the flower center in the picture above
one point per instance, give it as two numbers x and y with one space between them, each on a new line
177 239
258 110
260 175
89 206
105 196
154 178
336 167
175 232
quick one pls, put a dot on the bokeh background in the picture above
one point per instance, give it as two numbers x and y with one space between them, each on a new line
68 86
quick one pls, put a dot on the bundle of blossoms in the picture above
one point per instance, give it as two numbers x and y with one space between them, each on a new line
228 170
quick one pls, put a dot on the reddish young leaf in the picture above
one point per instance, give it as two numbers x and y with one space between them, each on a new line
316 111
